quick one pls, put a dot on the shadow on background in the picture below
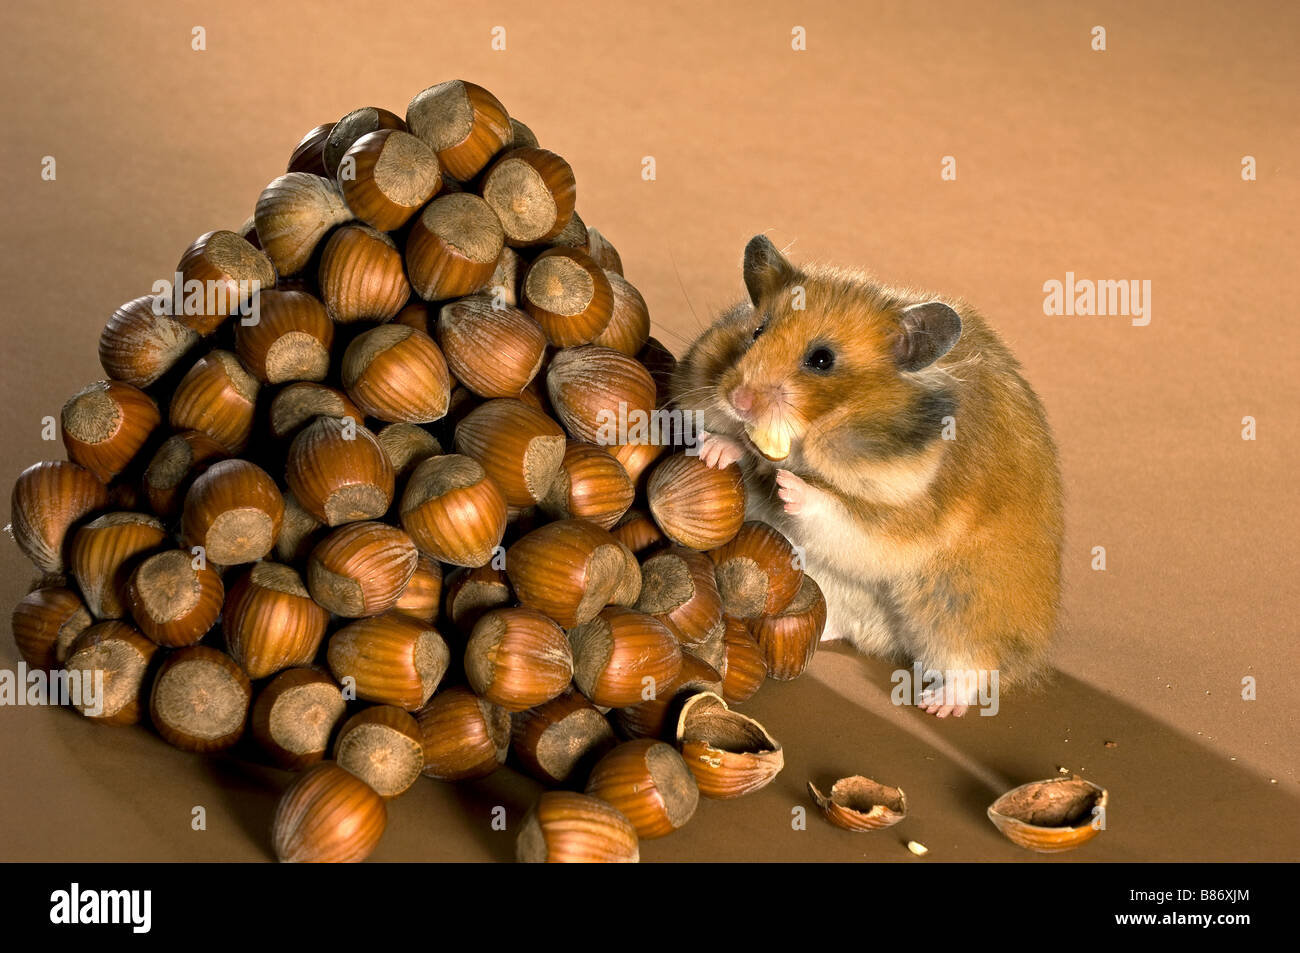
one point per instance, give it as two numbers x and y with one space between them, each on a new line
1172 798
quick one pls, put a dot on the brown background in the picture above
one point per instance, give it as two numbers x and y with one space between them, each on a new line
1122 164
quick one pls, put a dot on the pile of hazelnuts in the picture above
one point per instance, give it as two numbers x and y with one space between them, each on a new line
349 498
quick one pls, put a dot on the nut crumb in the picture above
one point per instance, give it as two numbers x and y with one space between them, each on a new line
1112 744
916 847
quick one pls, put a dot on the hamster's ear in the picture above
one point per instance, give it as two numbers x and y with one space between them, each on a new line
926 333
766 269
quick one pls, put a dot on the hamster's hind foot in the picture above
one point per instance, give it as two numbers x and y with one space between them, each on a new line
719 452
951 696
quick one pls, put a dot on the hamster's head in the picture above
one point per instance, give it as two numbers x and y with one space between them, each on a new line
821 365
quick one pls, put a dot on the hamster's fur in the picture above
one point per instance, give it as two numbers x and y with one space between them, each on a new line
835 395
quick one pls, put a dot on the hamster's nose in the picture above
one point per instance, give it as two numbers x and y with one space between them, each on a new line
742 398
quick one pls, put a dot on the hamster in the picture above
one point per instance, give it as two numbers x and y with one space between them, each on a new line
891 436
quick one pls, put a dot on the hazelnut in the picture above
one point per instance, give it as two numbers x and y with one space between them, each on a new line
383 746
563 827
453 510
789 639
230 270
559 740
757 572
622 657
119 657
309 154
48 498
678 589
361 275
290 341
174 599
745 667
338 472
218 397
200 699
105 425
270 620
518 658
294 716
293 214
45 624
328 815
139 345
694 504
594 388
361 569
520 448
463 123
465 736
532 191
569 295
649 783
590 485
393 659
494 352
105 552
453 247
569 569
629 323
397 373
233 511
392 174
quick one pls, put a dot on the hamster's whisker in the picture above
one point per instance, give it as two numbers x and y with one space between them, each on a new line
699 323
661 330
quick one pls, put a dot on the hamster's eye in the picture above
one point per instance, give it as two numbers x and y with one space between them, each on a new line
759 330
819 359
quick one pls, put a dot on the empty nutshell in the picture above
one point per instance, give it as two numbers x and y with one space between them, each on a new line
861 804
730 754
1051 816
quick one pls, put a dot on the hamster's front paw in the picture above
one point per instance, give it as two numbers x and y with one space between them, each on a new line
719 452
797 495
